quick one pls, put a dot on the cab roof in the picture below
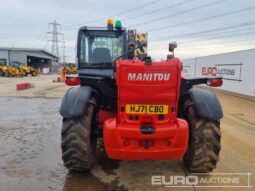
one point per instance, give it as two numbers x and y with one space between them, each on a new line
99 28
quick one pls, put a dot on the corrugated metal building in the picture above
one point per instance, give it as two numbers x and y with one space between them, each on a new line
38 58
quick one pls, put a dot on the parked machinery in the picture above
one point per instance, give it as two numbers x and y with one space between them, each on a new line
17 69
29 70
71 68
138 108
3 69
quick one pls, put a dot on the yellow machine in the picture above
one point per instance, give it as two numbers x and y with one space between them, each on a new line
3 69
29 70
70 68
13 72
16 69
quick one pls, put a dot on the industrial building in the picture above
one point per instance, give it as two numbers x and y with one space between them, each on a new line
37 58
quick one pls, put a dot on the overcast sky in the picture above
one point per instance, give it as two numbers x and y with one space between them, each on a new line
200 27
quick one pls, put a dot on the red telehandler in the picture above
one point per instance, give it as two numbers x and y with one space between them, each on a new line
138 109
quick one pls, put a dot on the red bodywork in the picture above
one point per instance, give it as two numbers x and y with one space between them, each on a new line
143 84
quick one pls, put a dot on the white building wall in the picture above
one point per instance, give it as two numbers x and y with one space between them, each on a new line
236 68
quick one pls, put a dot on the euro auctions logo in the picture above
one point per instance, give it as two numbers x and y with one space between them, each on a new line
209 71
174 181
214 180
226 71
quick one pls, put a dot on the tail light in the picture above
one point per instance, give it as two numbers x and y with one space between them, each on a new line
73 81
215 82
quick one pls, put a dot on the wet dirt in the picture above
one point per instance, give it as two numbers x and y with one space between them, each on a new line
30 154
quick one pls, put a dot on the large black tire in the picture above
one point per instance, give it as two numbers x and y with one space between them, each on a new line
2 73
204 147
33 73
78 145
25 73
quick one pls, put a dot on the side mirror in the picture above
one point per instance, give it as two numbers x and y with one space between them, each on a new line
169 56
172 46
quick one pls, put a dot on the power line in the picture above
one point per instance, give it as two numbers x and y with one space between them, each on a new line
202 19
189 46
160 9
116 14
179 13
64 55
205 33
220 37
245 24
30 43
248 41
55 35
224 32
39 41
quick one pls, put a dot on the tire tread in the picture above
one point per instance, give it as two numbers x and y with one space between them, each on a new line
77 148
202 154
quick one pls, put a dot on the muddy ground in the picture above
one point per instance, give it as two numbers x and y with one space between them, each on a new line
30 155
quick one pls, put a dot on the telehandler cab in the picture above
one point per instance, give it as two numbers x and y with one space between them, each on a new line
138 109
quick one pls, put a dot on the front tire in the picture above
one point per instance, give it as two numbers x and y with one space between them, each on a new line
204 147
2 73
78 146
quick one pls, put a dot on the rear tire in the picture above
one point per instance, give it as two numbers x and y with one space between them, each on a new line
204 147
78 146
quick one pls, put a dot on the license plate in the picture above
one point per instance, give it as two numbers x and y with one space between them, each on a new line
146 109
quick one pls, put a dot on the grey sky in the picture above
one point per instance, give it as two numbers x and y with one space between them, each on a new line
24 23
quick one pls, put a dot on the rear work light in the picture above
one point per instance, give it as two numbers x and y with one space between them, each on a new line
110 24
215 82
118 24
73 81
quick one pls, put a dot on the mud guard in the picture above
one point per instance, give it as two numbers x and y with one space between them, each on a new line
206 104
75 102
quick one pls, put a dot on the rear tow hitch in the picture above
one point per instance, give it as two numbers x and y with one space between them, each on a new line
147 129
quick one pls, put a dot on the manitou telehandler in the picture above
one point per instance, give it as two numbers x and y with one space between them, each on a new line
138 109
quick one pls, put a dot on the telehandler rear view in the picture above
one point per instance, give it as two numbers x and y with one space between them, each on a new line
138 109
